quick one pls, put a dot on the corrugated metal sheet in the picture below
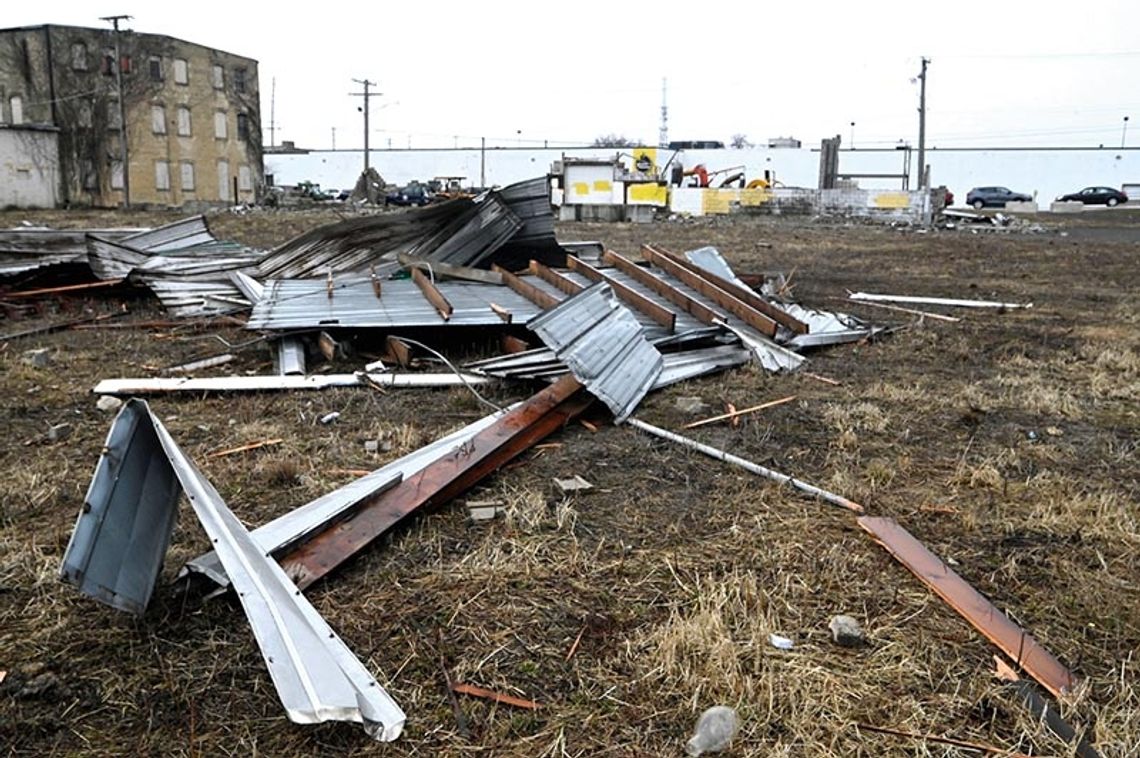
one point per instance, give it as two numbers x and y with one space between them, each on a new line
474 236
305 304
602 344
23 250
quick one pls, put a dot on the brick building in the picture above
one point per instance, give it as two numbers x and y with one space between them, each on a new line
192 114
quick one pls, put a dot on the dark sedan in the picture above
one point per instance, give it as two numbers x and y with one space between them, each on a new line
980 197
1097 196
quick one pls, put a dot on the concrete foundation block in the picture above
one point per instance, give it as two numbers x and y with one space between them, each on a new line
1070 206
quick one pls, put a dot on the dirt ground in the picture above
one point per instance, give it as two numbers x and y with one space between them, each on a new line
1007 442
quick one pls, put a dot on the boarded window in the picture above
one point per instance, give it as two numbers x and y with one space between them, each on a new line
116 175
245 179
220 124
83 115
219 76
79 56
224 180
114 115
161 175
108 64
242 126
181 71
125 64
90 177
187 176
239 80
158 119
16 105
183 121
155 68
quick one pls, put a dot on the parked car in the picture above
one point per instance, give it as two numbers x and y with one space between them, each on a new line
413 194
1097 196
980 197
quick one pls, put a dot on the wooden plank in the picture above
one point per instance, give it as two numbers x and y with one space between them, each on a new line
502 313
658 313
432 293
983 615
400 350
65 289
734 305
539 297
512 344
518 702
450 269
246 447
693 307
739 413
552 277
747 296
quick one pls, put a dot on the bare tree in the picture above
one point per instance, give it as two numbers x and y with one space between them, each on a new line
740 142
614 140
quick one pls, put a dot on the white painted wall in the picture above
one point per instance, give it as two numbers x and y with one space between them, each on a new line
1047 172
29 168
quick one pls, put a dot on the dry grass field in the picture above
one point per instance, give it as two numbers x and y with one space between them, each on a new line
1008 443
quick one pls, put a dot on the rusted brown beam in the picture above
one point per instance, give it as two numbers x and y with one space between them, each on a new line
658 313
432 293
539 297
502 313
552 277
1014 641
724 299
695 308
734 289
440 481
66 288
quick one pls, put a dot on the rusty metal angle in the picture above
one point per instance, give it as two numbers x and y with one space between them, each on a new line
448 476
658 313
539 297
691 305
552 277
750 298
983 615
734 305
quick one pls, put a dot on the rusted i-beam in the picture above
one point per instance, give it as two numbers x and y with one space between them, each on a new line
555 279
747 296
432 293
734 305
1014 641
440 481
539 297
692 306
658 313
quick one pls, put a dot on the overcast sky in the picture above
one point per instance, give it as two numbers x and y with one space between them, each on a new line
1049 72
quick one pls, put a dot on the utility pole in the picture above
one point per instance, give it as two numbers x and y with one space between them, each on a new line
922 125
273 113
334 138
123 151
663 130
367 96
1124 133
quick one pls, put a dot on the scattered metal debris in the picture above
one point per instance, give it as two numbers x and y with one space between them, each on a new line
950 302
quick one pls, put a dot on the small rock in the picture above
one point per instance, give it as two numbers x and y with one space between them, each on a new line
371 446
39 686
59 432
386 446
715 729
108 403
1053 431
846 631
38 358
690 404
328 418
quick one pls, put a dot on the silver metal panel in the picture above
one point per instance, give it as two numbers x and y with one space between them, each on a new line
305 304
116 549
690 364
179 234
602 344
291 356
294 526
710 259
146 386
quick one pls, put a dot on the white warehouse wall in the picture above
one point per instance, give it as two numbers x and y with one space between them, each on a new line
29 167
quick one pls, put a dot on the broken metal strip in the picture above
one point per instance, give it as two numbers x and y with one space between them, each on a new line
658 313
555 279
526 289
432 293
291 356
439 268
983 615
143 470
912 311
769 354
690 305
744 295
951 302
440 481
293 527
734 305
158 385
747 465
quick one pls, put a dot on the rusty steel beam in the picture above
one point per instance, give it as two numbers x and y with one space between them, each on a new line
552 277
983 615
439 482
539 297
747 296
726 300
692 306
658 313
432 293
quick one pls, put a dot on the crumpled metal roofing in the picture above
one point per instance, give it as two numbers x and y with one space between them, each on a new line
121 536
602 344
305 304
32 248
